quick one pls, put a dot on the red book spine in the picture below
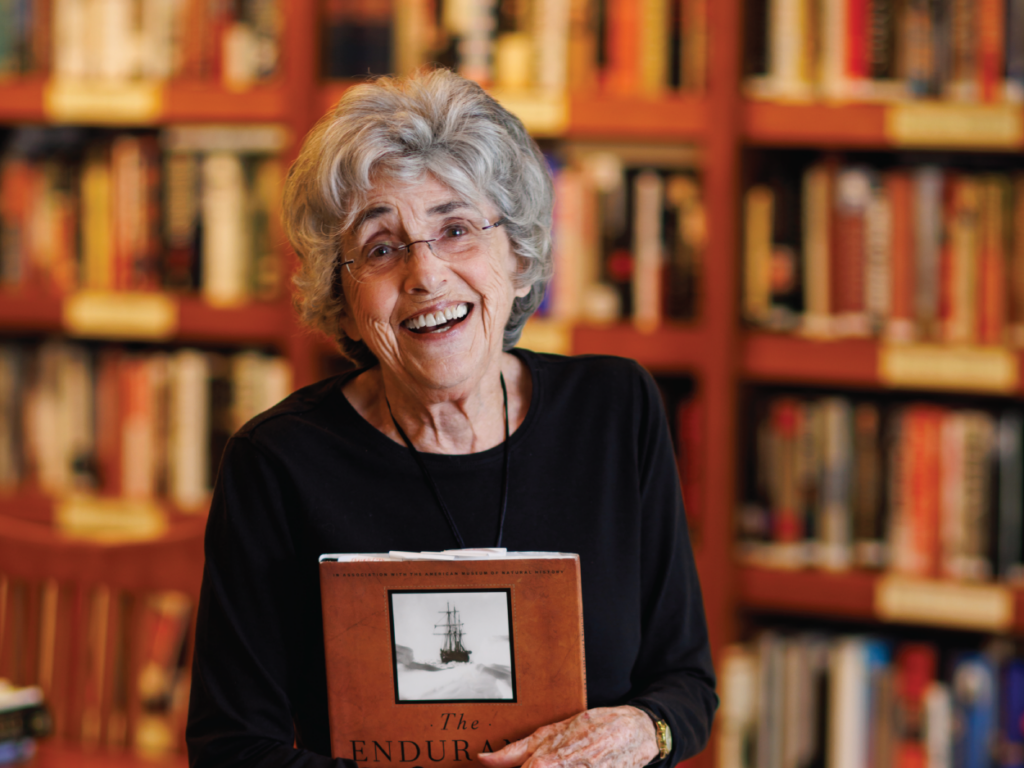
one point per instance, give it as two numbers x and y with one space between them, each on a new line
857 14
925 427
993 297
991 48
902 264
916 665
848 271
622 76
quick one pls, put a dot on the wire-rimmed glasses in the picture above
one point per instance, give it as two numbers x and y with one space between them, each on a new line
455 241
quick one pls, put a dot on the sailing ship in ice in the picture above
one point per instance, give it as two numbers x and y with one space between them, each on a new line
451 627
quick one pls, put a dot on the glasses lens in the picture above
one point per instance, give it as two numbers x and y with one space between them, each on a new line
455 241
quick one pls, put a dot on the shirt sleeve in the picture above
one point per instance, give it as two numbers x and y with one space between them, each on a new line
673 675
243 674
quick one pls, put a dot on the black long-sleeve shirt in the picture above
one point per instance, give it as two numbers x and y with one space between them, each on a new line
592 472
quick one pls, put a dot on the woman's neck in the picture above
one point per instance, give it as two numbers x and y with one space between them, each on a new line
467 421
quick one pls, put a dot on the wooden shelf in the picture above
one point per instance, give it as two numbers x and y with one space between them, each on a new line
668 349
201 102
857 126
29 311
31 505
23 100
256 323
898 125
673 118
779 358
845 595
40 312
857 363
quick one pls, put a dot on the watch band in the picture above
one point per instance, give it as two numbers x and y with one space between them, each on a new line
661 731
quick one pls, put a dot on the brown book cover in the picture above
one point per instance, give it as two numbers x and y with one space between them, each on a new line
434 661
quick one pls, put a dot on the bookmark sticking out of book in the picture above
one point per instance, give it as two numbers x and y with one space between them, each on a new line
442 655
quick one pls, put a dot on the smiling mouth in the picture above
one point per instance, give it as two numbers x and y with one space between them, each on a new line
436 322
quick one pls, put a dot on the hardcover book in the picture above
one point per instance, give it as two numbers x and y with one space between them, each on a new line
436 660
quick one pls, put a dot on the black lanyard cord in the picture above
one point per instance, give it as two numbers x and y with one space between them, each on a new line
437 492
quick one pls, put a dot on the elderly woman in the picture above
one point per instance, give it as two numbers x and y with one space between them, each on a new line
421 212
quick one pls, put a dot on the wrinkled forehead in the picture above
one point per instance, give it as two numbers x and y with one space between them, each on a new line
460 193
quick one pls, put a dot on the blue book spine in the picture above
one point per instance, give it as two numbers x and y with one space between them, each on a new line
1011 747
975 704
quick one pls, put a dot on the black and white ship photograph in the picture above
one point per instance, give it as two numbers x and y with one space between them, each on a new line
452 646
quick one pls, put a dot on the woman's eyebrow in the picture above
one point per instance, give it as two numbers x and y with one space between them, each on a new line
443 208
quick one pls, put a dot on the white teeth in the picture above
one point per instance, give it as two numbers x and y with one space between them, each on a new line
431 319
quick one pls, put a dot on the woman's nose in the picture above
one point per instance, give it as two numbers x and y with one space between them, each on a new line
424 271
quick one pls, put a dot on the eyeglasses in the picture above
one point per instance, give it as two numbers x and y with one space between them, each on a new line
456 241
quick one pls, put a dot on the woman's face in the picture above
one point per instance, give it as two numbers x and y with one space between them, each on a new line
387 312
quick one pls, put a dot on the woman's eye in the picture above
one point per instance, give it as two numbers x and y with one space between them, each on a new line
456 230
380 251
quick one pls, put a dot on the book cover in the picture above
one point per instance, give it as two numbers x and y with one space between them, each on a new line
439 660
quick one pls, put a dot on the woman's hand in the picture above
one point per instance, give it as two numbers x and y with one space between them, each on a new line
623 737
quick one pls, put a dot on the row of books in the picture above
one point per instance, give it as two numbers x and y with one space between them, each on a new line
920 253
122 40
804 699
24 717
960 50
124 423
629 239
190 209
628 47
917 488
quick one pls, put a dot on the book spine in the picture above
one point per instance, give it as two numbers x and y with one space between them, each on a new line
901 316
878 227
928 190
994 260
991 52
853 196
1010 527
655 30
962 275
225 246
1015 51
759 222
834 530
694 58
623 39
648 249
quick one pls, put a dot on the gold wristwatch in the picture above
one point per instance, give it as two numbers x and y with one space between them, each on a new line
661 731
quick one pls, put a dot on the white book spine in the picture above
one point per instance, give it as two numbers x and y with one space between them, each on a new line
157 30
225 242
69 49
648 247
787 39
833 77
939 725
568 281
551 36
848 705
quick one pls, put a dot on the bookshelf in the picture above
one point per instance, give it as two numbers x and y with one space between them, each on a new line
721 354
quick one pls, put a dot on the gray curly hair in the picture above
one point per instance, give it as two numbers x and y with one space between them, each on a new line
397 129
